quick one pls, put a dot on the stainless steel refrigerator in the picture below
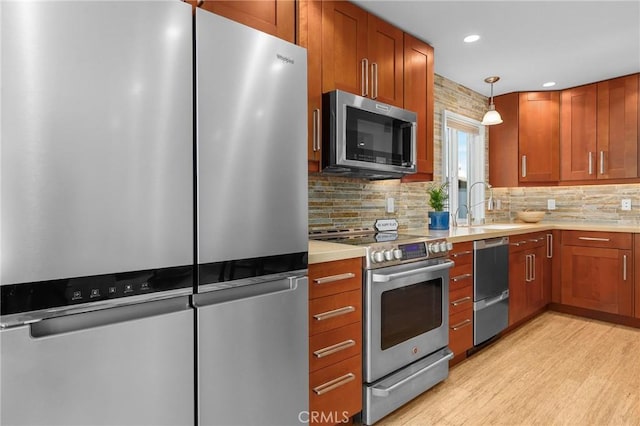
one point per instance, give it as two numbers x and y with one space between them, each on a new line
96 213
251 301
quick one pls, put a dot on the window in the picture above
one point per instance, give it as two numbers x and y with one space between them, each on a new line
464 164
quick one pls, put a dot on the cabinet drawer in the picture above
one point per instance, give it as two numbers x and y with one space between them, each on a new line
460 299
334 277
335 345
461 332
326 313
460 277
527 242
462 253
336 391
619 240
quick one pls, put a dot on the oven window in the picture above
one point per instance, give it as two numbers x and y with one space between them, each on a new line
410 311
376 138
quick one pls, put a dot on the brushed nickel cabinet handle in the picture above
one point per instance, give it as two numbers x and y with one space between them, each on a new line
533 267
594 239
461 277
374 80
334 278
462 253
316 130
601 162
461 301
321 353
334 313
549 246
624 267
590 163
335 383
364 77
524 166
460 325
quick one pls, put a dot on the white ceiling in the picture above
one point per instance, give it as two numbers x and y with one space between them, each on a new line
526 43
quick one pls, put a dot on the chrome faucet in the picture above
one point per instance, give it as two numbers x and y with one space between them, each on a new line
470 205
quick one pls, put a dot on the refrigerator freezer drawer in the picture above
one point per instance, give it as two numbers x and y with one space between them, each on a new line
490 320
253 365
124 372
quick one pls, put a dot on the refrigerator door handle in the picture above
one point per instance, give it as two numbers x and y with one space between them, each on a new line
246 291
105 317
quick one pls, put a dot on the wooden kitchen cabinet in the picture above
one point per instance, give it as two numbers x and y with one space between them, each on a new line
526 147
528 290
335 340
539 137
597 271
636 269
461 300
275 17
361 53
418 97
599 130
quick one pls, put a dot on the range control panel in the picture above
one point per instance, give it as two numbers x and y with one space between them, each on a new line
388 254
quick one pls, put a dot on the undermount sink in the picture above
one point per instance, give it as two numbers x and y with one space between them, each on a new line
500 226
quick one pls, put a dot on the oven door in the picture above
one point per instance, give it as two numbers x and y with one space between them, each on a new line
406 315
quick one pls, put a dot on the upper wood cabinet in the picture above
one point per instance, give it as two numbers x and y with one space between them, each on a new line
418 97
599 130
618 128
361 53
503 143
275 17
539 136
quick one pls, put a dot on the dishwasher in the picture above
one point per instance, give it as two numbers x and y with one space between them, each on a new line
490 288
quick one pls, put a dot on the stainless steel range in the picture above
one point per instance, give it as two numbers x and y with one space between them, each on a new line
406 316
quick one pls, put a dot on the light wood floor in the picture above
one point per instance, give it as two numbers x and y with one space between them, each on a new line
555 370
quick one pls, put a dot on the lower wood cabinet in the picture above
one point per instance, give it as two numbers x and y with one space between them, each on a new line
636 268
597 271
461 299
528 292
335 341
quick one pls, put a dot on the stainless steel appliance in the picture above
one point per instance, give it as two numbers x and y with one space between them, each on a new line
97 214
366 138
406 317
252 294
490 288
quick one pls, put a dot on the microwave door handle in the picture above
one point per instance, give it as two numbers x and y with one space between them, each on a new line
383 278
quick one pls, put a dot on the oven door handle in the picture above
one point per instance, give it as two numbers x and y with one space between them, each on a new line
383 278
384 392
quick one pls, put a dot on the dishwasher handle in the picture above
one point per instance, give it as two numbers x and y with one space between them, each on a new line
485 303
109 316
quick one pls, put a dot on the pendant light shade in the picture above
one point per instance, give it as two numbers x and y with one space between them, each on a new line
492 116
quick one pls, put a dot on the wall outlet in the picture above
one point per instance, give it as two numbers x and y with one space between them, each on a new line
551 204
390 205
625 204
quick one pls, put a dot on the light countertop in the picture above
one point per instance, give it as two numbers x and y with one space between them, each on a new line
321 251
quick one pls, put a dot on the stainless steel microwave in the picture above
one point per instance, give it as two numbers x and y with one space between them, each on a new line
367 139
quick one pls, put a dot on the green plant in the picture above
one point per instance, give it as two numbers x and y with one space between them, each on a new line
438 196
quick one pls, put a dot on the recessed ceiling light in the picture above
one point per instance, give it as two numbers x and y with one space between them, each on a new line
471 38
549 84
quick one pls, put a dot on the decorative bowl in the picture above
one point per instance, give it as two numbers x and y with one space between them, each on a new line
530 216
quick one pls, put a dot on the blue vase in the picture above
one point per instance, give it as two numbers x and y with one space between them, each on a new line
439 220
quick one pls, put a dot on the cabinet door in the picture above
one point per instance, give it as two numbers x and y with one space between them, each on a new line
595 278
578 133
344 48
309 26
418 97
385 50
275 17
636 269
503 143
618 128
535 287
538 136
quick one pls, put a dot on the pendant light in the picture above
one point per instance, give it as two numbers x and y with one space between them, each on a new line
492 116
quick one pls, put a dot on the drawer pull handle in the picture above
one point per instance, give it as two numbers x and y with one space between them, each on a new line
333 384
463 324
334 313
321 353
462 253
624 267
334 278
594 239
461 277
461 301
